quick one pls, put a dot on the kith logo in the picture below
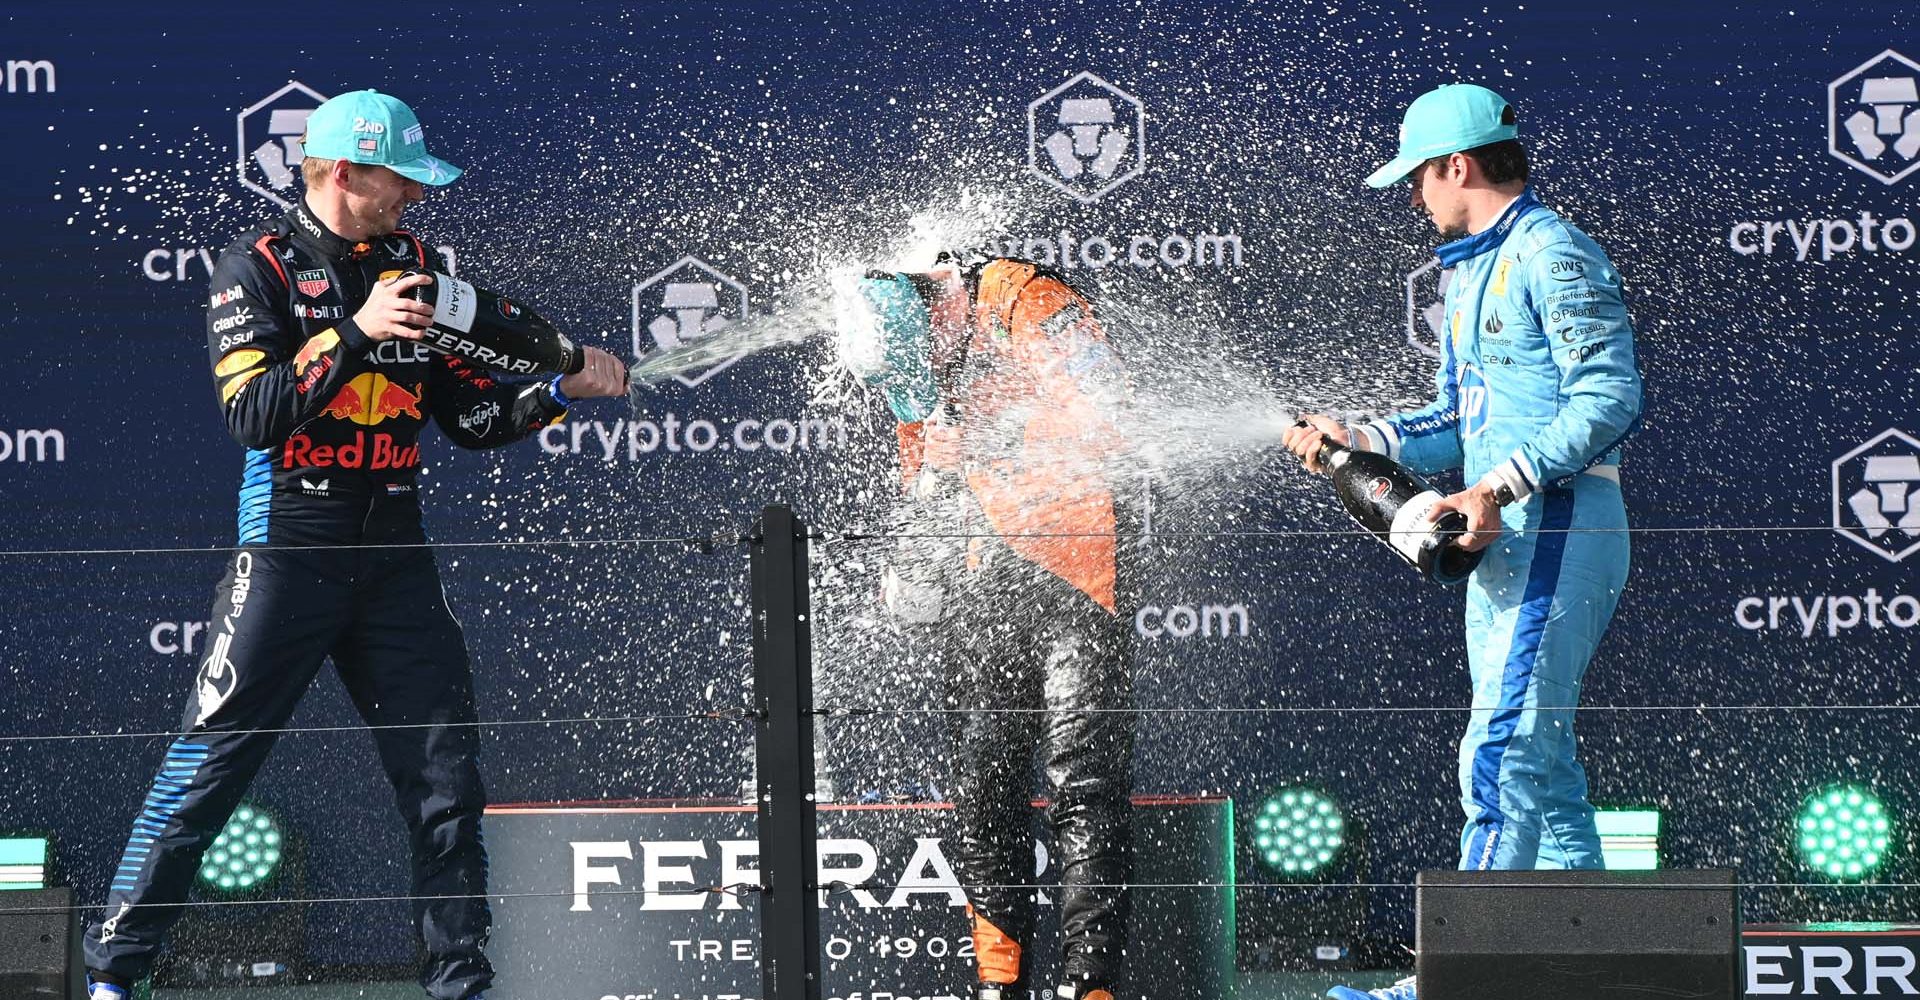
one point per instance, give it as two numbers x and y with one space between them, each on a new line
269 151
1086 137
687 302
1427 306
1876 495
1873 117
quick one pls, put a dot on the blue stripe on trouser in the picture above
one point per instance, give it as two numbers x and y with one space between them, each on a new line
1536 611
1488 814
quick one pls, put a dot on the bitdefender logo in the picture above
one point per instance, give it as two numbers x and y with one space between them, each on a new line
1876 495
1087 137
688 301
270 131
1873 117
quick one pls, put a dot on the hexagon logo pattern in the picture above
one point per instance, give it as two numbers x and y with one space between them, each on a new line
268 146
686 301
1873 117
1086 137
1876 495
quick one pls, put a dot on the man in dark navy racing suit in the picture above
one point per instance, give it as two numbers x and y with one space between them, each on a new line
313 340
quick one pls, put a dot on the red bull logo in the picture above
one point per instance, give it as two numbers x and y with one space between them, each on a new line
317 346
372 398
376 451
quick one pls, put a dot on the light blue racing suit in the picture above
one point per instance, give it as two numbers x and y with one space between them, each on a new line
1537 388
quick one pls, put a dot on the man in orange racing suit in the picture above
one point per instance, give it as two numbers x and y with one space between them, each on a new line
1006 390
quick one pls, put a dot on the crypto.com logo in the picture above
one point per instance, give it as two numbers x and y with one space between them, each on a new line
1427 306
685 302
1876 495
1086 137
269 151
1873 117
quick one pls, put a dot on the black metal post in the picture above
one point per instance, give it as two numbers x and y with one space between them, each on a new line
783 693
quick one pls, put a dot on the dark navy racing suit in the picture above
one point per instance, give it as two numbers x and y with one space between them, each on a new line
331 421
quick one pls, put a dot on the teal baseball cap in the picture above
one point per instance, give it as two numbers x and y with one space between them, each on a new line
897 353
366 126
1447 119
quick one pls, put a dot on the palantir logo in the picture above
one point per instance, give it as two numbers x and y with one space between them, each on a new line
1876 495
269 151
1873 117
1427 306
688 301
1086 137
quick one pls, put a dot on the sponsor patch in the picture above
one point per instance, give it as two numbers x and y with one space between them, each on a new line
239 361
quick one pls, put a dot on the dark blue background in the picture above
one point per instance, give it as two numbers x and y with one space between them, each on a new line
603 143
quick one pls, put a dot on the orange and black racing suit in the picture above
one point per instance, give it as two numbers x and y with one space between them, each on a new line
1039 619
328 566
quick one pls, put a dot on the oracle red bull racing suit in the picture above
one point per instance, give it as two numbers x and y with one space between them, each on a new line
331 420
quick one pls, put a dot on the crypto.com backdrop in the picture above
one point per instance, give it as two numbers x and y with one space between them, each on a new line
653 174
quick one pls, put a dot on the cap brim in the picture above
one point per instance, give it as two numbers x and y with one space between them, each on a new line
427 169
1394 172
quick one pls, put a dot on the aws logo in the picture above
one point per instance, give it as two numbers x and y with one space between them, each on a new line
372 398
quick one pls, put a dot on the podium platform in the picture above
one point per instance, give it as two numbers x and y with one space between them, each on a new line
614 900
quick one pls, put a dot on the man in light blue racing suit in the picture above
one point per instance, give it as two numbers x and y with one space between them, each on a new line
1537 388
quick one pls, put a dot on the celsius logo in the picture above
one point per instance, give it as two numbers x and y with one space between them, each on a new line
1427 306
686 302
1873 117
1087 137
1876 495
269 151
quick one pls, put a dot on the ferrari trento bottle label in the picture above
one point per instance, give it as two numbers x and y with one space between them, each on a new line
493 331
1410 530
456 303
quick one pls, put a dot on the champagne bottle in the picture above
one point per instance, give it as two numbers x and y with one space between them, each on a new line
493 331
1390 501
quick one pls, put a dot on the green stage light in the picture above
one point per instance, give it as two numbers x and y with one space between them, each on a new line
1842 832
23 862
1629 838
245 853
1298 831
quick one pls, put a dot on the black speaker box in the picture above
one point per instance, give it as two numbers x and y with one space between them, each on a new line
1671 935
39 944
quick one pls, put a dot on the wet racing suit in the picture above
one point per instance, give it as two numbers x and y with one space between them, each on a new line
1039 619
1537 388
331 421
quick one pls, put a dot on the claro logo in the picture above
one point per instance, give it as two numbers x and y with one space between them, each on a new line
33 446
1187 621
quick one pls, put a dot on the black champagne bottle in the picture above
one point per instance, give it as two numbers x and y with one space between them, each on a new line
493 331
1390 501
